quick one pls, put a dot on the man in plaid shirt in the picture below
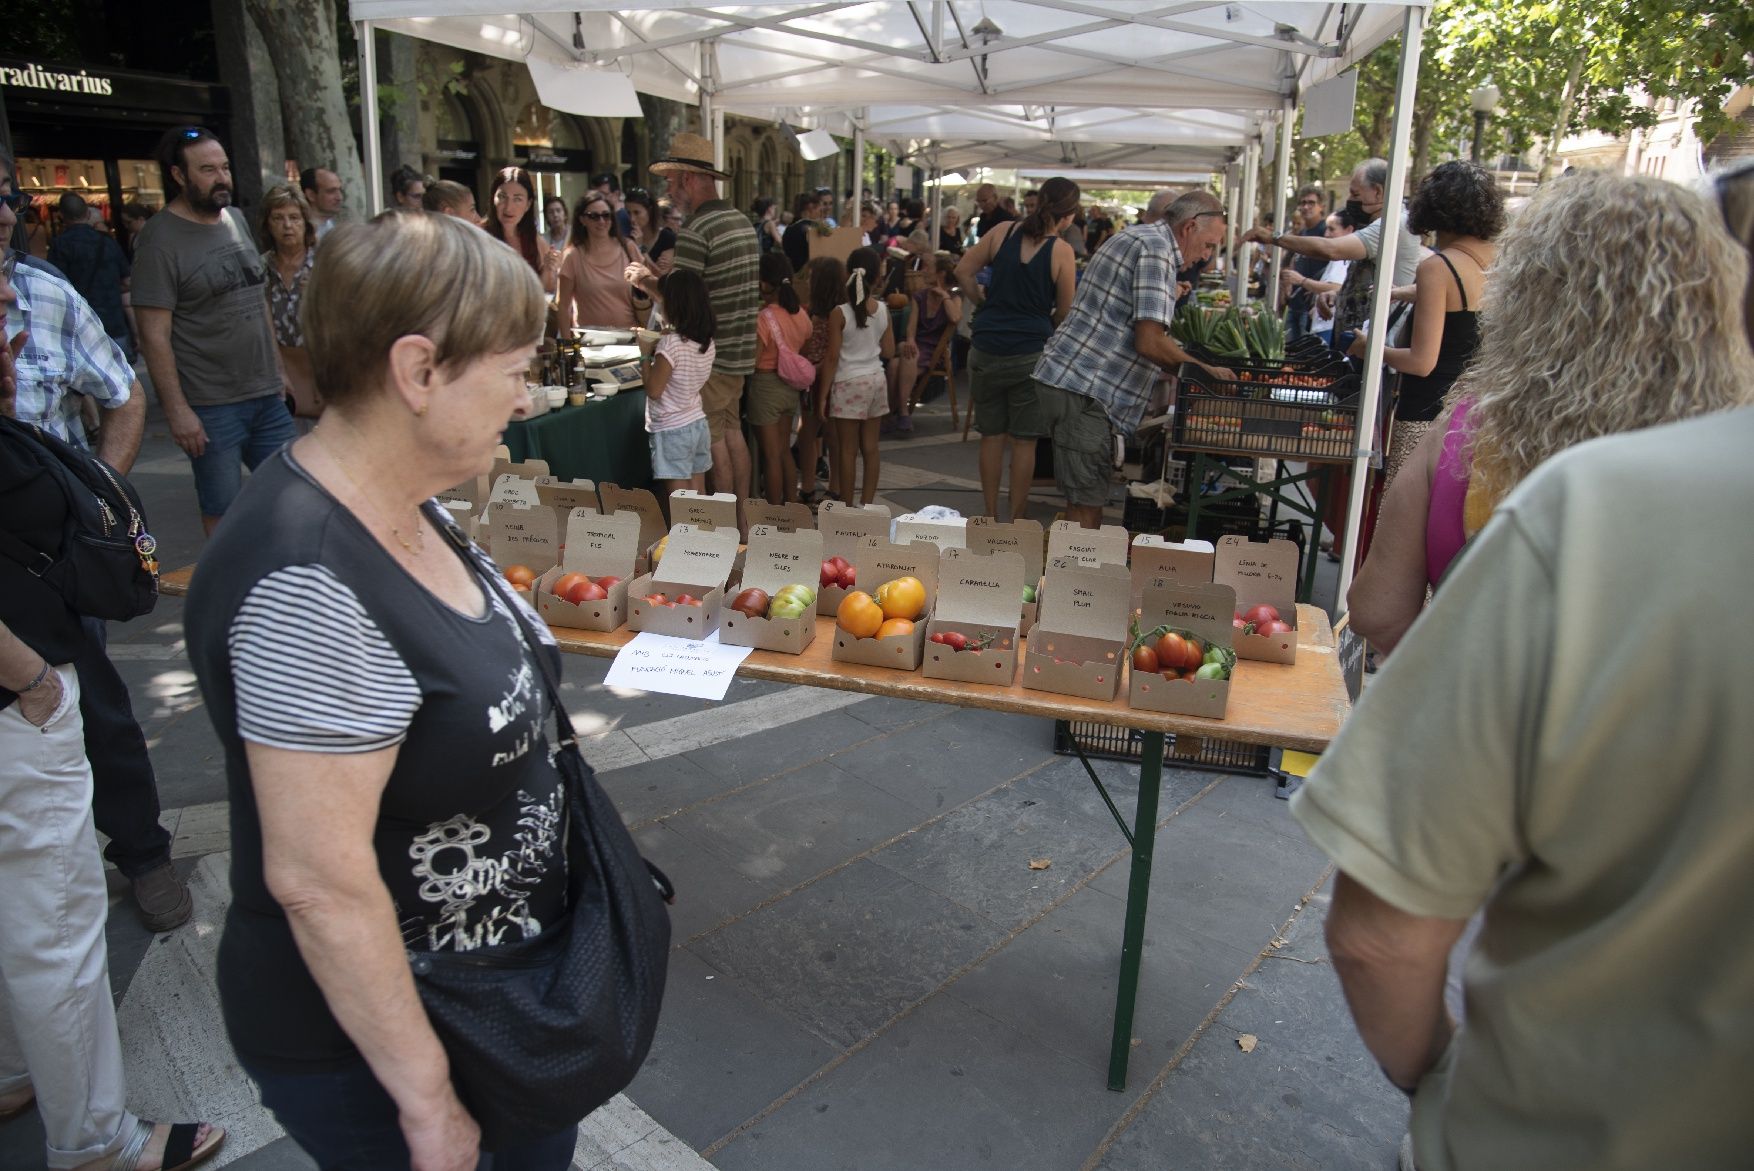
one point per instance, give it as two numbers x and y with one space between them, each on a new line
1097 372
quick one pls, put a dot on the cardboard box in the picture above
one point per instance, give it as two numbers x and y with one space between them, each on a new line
946 534
1261 572
614 498
1080 644
1104 546
1026 537
787 518
843 527
979 595
774 560
564 498
1204 611
879 560
597 546
529 469
522 534
716 510
697 562
1157 563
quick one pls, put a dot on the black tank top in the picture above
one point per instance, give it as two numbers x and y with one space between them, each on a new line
1422 396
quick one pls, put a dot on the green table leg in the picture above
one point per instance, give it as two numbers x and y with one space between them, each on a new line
1138 895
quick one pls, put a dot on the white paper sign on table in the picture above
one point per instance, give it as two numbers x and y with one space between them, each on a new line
677 666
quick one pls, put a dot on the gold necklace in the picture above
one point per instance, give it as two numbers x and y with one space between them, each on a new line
418 547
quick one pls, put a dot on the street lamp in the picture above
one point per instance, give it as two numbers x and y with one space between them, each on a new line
1485 101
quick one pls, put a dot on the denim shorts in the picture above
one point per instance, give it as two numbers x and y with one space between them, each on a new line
681 452
239 435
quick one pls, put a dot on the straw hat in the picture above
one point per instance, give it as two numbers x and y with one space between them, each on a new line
688 152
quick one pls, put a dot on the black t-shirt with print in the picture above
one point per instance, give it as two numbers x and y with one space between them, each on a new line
306 635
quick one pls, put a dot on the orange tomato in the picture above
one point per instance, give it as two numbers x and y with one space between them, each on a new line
520 575
905 597
859 615
895 626
568 581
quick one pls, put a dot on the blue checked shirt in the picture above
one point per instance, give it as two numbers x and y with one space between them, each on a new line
1131 278
68 354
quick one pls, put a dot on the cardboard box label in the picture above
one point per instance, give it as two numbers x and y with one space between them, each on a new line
529 469
703 510
788 518
563 498
514 490
843 526
1025 537
1104 546
522 534
946 534
982 588
697 557
599 545
1157 563
1087 600
777 559
878 561
1259 571
640 501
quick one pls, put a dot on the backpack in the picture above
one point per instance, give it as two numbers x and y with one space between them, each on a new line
794 369
104 567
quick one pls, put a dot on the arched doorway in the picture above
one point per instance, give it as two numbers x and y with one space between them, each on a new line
459 154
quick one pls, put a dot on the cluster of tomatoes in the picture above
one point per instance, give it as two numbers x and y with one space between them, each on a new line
1176 654
578 588
1262 619
662 599
790 601
958 641
893 609
838 571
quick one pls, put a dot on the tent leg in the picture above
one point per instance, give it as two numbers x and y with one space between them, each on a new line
1251 166
858 182
937 201
368 90
1412 33
1281 200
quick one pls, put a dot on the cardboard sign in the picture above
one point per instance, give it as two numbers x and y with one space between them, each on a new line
716 510
946 534
986 535
788 518
878 560
1078 646
701 668
773 561
563 498
1204 611
1104 546
522 534
471 491
980 596
529 469
836 243
600 547
843 528
514 490
1158 562
696 562
1261 572
641 502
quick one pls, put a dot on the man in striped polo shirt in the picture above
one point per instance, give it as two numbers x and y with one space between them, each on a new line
718 242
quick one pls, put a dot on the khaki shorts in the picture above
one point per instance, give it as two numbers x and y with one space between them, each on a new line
1003 388
721 397
771 398
1083 445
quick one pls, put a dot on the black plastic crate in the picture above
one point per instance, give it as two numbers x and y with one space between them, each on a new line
1127 744
1214 422
1242 515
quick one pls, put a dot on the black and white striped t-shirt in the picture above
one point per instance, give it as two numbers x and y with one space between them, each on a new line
308 637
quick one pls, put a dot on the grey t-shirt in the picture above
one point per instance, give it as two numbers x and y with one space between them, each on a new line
1354 300
211 278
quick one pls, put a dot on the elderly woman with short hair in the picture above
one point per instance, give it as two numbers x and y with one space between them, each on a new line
383 716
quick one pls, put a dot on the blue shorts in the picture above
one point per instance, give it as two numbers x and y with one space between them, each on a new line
238 435
681 452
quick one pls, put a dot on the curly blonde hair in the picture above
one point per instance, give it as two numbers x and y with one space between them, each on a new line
1614 304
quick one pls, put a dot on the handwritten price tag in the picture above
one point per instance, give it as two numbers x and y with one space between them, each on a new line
677 666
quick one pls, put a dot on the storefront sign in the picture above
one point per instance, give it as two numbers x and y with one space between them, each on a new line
90 90
34 76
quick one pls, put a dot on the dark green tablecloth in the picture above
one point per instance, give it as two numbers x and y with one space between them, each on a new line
600 441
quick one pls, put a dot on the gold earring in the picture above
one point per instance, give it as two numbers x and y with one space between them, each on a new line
420 411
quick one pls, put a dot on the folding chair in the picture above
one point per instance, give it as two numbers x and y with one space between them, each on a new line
939 366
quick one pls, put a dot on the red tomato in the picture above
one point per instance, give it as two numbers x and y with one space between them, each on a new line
1260 616
591 591
955 640
609 583
657 599
751 602
566 582
520 575
1145 659
937 638
830 573
1273 626
1175 652
575 590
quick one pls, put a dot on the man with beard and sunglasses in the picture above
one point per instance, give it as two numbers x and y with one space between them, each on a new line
204 327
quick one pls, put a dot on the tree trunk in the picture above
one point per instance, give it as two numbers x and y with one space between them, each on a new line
300 35
665 119
256 140
1421 149
1562 119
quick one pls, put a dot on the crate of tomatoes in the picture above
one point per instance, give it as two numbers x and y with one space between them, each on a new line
1271 416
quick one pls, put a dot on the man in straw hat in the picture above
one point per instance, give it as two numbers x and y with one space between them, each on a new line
717 241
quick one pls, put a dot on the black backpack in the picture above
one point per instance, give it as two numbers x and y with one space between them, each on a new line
105 566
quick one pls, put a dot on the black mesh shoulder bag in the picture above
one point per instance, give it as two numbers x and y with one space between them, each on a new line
540 1033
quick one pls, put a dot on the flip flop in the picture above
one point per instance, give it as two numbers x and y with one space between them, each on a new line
180 1151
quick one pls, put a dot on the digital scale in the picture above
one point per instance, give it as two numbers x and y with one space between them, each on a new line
617 365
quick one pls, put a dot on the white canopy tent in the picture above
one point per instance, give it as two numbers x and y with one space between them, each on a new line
1196 81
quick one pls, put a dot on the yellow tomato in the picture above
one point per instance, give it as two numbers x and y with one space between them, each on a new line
905 597
859 615
895 626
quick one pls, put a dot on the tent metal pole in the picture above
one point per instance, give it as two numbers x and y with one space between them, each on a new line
1230 204
718 133
1412 33
937 201
1251 166
858 166
1281 200
368 120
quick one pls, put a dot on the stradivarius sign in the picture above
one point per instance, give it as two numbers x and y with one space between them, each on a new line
34 76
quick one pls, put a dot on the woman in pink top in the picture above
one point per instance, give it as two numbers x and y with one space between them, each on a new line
773 402
1560 361
593 285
